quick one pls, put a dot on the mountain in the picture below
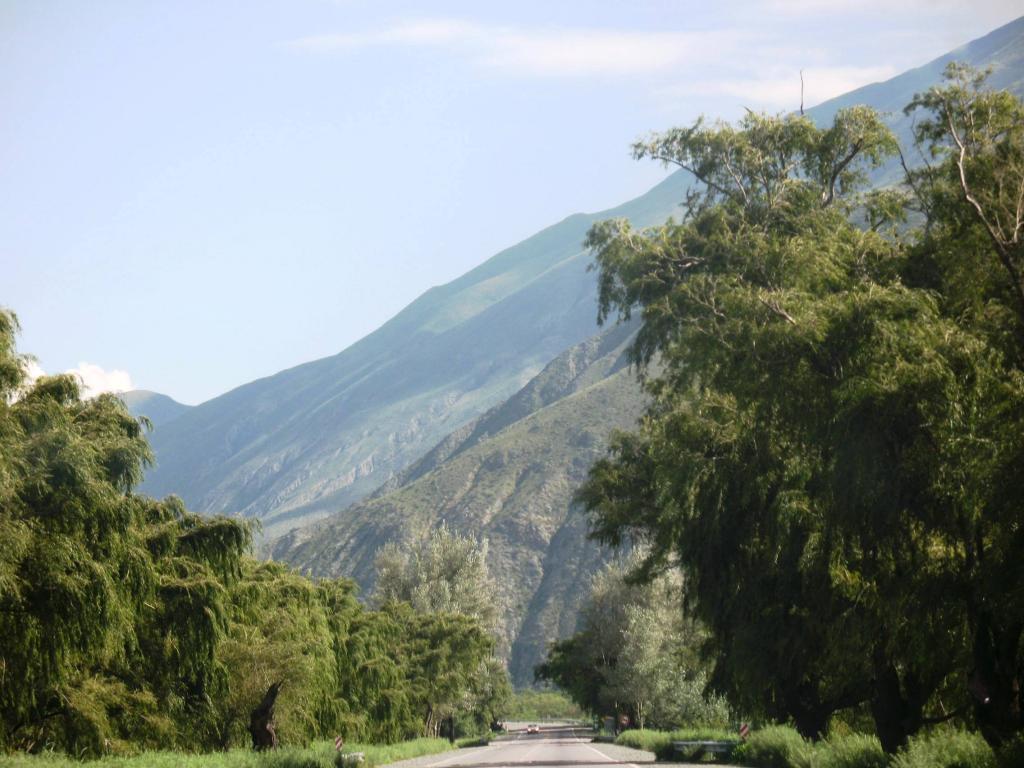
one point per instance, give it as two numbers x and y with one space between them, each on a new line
159 409
507 477
1002 50
313 439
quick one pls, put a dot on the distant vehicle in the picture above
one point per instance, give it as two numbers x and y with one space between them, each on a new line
532 729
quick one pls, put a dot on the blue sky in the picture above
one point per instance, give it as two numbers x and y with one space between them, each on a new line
197 194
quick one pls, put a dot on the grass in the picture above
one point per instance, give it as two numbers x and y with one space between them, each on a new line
660 742
318 755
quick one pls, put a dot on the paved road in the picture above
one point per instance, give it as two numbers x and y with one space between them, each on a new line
550 747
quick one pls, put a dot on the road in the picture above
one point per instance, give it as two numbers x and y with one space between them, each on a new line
551 747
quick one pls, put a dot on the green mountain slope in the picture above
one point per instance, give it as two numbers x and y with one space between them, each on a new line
312 439
159 409
508 477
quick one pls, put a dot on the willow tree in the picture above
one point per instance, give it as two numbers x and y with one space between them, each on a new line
443 578
971 255
811 405
441 571
112 603
634 652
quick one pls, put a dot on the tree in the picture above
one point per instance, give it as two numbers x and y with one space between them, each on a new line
971 254
635 651
440 572
444 655
814 410
439 589
113 603
132 623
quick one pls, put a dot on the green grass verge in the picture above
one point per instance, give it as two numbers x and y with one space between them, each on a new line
318 755
660 742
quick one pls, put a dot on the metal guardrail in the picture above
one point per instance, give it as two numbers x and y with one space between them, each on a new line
698 748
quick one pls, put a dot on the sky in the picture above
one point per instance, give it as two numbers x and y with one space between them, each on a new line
196 194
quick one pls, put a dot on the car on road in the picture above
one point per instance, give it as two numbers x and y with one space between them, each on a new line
532 728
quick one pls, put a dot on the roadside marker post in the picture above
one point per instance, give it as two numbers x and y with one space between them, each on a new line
338 743
744 730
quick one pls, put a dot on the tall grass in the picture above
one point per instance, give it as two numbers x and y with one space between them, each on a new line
855 750
782 747
660 742
946 748
318 755
777 746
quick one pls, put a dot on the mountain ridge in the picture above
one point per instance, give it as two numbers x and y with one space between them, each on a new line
507 477
464 476
339 427
155 406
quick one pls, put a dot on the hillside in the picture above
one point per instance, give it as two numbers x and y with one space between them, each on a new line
158 408
313 439
508 477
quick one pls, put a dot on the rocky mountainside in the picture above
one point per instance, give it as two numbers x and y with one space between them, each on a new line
313 439
509 475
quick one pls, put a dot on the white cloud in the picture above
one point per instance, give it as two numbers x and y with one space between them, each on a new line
544 52
33 371
95 380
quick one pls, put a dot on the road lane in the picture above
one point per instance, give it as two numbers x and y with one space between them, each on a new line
550 747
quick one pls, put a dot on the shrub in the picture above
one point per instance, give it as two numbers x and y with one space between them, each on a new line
946 748
1011 754
777 746
660 742
855 750
645 739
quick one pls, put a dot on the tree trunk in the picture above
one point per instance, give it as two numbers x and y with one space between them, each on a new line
897 706
261 721
811 722
995 683
809 713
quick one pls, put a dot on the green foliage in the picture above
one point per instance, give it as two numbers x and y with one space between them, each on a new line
1011 754
321 755
445 654
442 572
530 704
835 428
132 624
660 742
114 603
646 739
635 650
855 750
776 746
439 591
525 458
946 748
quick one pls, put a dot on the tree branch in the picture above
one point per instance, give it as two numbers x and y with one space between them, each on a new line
705 181
777 310
1002 248
829 196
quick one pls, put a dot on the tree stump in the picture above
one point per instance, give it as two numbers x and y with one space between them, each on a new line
261 721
